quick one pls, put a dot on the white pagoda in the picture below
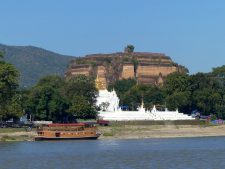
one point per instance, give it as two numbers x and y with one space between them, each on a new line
108 102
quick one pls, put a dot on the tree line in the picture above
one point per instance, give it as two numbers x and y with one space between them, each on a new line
204 92
61 100
52 98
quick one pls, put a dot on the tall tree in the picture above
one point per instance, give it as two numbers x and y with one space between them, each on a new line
208 94
134 97
178 92
81 93
45 100
8 86
81 108
154 96
81 86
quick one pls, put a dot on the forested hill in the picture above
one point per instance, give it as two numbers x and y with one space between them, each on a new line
34 63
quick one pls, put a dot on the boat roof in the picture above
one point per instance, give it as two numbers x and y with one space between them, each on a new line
65 124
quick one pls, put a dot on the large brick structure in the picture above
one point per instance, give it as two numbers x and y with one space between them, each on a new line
145 67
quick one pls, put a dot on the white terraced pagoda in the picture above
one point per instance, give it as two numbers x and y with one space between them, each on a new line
110 110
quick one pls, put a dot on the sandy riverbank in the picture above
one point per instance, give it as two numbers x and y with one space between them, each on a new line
160 131
17 136
132 132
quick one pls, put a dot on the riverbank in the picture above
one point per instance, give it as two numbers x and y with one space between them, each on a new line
16 134
118 131
160 131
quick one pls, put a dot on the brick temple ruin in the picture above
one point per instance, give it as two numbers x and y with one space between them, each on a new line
145 67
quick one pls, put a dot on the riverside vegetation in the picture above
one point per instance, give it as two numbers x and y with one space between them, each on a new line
59 100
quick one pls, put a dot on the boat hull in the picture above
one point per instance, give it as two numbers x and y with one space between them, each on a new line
65 138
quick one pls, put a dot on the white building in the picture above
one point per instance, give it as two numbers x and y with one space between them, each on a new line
108 101
110 110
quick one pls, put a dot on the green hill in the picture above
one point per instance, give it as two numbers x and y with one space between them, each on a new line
34 63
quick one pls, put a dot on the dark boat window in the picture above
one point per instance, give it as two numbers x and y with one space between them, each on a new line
57 134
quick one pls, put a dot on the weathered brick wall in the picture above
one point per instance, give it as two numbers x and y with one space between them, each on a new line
80 71
149 74
154 70
128 71
154 60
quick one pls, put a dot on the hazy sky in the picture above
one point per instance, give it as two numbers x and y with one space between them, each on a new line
191 32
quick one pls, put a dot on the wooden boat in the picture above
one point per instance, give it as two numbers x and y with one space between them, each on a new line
67 132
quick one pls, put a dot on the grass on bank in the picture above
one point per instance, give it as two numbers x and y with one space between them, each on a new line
11 130
7 138
116 129
15 138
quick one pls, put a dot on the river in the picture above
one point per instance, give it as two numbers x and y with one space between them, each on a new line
171 153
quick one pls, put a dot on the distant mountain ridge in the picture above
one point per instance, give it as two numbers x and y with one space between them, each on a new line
35 63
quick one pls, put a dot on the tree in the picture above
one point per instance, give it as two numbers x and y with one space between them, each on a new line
81 108
178 92
154 96
129 49
208 94
45 100
133 97
219 74
219 71
8 86
176 82
179 100
81 94
81 86
15 107
122 86
54 99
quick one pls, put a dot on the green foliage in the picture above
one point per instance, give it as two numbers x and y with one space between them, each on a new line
151 95
154 96
131 94
219 74
81 92
81 86
81 61
219 71
204 92
132 98
15 107
122 86
213 117
129 49
60 101
178 100
176 82
208 94
81 108
178 92
8 88
45 101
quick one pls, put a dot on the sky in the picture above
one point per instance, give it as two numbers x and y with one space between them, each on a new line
191 32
